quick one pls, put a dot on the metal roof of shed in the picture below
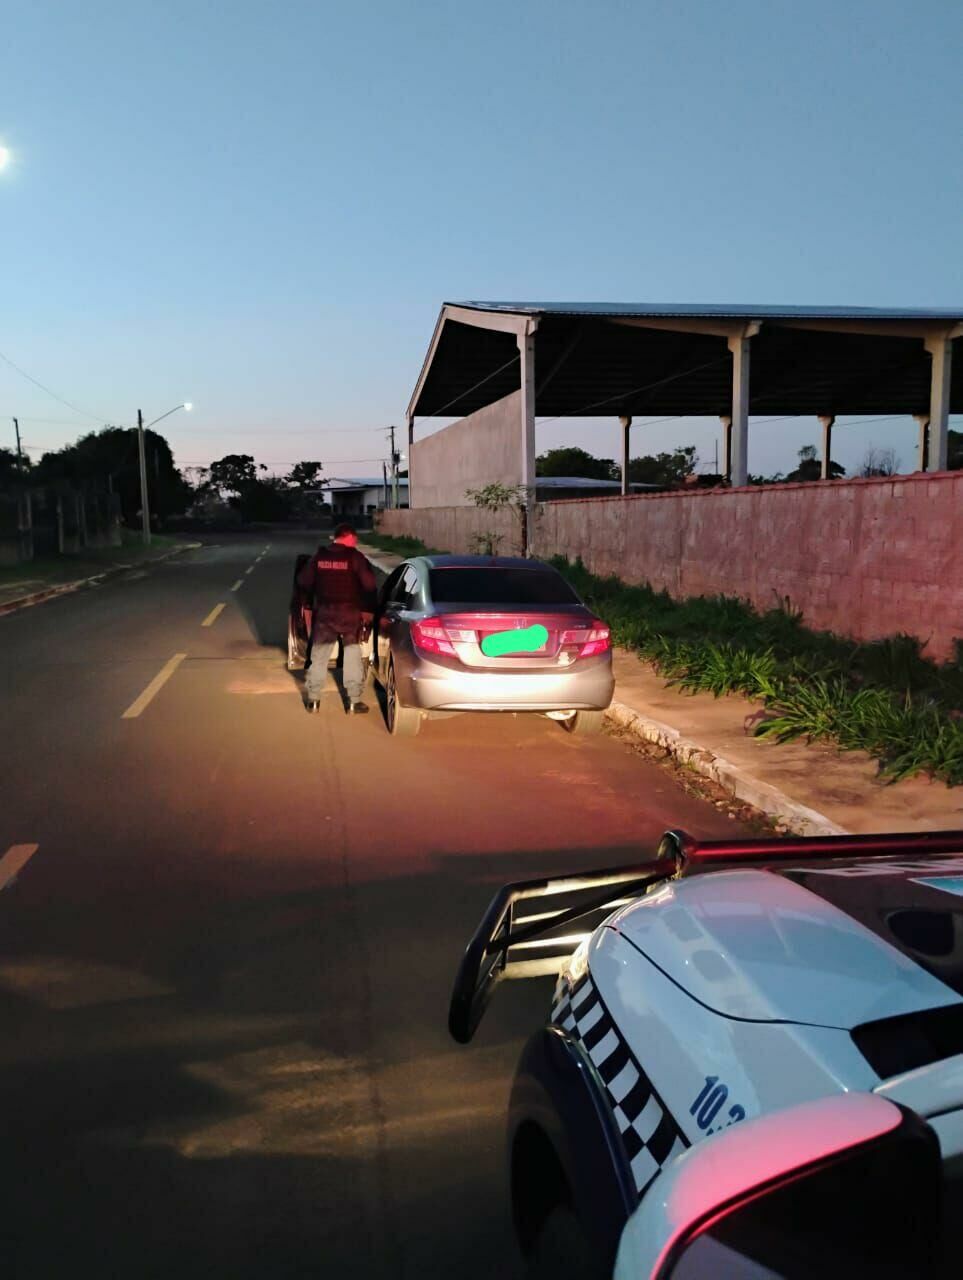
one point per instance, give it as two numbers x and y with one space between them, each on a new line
643 359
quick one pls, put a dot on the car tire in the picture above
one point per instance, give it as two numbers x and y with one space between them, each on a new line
562 1250
585 724
402 721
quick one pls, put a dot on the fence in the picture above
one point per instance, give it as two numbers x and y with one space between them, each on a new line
56 521
863 558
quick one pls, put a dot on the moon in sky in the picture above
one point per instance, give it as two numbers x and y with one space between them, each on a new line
4 156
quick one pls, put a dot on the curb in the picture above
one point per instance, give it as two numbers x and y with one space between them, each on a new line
64 588
799 818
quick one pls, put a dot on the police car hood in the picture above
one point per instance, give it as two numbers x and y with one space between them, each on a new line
837 946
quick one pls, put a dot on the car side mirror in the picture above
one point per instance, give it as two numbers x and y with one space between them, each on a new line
833 1188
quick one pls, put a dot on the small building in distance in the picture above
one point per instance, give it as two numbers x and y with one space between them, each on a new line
362 497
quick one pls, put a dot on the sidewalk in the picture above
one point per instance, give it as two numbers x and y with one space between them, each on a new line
810 788
38 580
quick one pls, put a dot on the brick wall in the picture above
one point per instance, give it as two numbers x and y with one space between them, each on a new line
865 558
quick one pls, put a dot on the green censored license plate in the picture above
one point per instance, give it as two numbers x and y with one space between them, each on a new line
501 643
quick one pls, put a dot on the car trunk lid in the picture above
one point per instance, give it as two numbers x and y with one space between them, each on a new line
510 638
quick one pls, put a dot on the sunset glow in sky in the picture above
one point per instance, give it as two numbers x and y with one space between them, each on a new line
261 208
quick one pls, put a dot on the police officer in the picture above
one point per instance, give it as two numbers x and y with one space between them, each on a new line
343 588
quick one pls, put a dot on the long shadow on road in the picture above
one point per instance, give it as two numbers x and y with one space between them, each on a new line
283 1100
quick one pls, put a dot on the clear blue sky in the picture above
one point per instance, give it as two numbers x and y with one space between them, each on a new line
260 207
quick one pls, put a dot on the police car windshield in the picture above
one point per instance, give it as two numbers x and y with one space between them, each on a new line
499 586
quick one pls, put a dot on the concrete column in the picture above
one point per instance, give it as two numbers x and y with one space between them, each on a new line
826 422
626 433
726 421
739 452
411 441
922 421
941 349
526 350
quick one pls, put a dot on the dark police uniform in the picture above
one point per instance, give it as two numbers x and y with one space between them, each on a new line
343 587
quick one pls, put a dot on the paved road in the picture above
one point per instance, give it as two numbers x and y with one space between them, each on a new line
224 972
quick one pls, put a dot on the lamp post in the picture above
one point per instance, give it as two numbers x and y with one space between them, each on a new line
144 508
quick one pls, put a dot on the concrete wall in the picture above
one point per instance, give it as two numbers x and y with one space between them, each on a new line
864 558
483 448
454 529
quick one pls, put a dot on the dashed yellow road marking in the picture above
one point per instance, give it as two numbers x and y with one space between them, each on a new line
212 616
155 686
14 860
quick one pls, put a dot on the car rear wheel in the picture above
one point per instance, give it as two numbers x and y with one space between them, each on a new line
585 723
402 722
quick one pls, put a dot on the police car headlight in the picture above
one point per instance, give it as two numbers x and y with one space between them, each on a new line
577 967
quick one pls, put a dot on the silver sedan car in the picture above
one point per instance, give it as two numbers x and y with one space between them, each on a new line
488 633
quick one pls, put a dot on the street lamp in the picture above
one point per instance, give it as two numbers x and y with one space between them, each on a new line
144 510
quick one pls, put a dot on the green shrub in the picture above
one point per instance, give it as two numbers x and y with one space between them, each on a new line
882 697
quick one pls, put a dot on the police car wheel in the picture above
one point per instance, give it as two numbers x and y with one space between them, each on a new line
584 724
403 722
562 1250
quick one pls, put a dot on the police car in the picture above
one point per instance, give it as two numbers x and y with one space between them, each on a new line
711 987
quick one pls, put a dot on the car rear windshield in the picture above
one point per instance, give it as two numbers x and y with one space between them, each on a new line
499 586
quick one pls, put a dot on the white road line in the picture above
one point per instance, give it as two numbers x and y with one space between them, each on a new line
14 860
250 569
155 686
212 616
239 583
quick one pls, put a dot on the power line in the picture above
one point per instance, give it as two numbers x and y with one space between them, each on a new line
23 373
481 382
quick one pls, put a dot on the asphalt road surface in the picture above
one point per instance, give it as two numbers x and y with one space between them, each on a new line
225 968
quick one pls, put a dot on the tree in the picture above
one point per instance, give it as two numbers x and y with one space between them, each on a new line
12 468
234 473
810 467
575 462
265 500
304 475
108 461
497 497
879 462
664 469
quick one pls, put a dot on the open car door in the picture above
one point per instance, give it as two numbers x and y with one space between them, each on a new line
299 619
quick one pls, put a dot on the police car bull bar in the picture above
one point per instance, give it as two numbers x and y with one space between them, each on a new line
509 945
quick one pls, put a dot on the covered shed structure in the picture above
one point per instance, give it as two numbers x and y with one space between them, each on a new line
594 359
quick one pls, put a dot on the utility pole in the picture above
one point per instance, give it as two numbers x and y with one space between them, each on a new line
16 427
144 511
395 458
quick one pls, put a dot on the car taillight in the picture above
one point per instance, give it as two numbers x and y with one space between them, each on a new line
431 637
590 640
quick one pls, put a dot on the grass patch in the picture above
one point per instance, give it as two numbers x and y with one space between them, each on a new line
882 697
35 575
400 546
